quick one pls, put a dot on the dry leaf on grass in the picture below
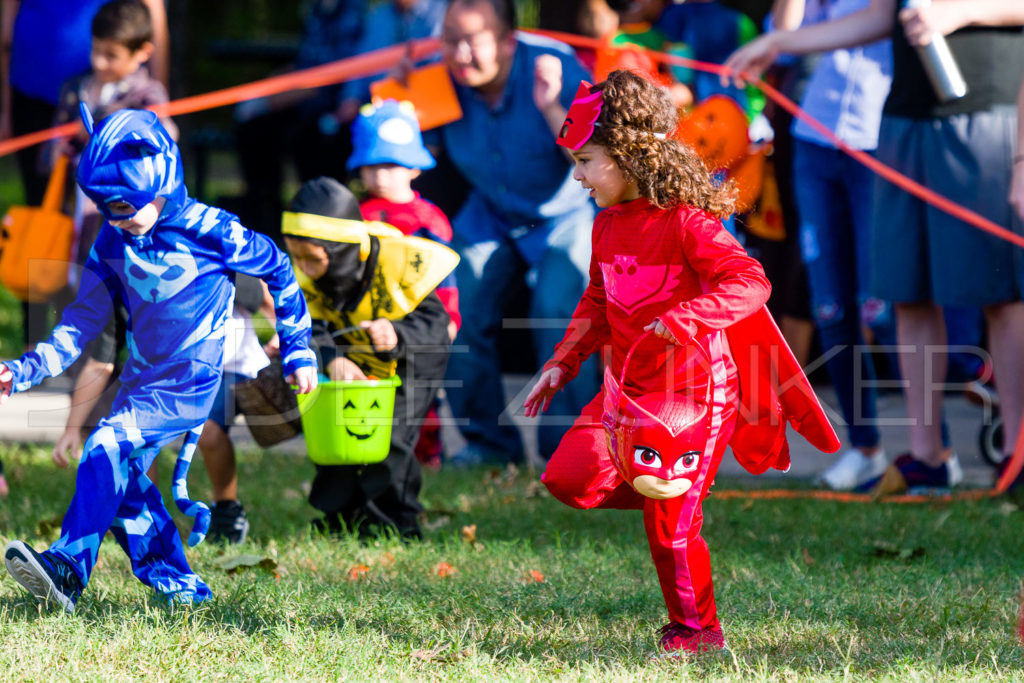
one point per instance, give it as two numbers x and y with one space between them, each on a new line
440 654
535 489
891 551
236 563
357 572
437 523
469 533
808 560
49 528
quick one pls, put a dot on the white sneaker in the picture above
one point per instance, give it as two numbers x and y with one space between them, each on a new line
954 471
853 468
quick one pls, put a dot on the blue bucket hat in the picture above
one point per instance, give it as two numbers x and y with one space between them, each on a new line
388 133
130 158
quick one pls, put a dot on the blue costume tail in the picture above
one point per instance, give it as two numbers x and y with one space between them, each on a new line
192 508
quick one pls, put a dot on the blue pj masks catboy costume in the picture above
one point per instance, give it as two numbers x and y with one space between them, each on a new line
176 283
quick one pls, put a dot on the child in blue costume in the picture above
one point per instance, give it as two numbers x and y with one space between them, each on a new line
169 260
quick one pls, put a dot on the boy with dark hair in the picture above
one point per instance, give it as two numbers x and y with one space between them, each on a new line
122 44
126 22
168 260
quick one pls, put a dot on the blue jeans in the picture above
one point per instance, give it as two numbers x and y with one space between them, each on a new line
834 195
554 256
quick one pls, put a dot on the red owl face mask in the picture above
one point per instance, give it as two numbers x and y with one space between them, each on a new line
581 117
656 440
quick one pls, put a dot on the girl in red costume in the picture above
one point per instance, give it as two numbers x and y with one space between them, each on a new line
662 262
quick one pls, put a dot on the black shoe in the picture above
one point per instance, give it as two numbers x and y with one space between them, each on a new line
228 523
46 577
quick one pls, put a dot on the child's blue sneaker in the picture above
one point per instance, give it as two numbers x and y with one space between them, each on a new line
909 475
46 577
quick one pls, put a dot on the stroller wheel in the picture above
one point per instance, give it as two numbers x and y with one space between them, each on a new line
990 441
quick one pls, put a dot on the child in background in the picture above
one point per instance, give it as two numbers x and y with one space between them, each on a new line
709 31
371 294
663 262
168 260
388 153
122 44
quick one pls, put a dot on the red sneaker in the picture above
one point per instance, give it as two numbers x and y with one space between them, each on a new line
677 639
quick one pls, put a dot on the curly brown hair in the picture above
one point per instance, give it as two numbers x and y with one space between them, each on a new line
666 171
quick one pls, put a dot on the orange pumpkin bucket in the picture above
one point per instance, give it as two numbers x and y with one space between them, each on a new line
716 129
35 243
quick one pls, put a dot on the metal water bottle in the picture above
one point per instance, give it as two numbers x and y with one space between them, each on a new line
939 64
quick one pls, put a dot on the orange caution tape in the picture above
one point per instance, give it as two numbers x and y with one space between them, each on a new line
845 497
318 76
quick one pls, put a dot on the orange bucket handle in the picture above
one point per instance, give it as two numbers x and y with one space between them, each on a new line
54 196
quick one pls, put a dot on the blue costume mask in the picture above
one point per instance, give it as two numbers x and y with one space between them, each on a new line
130 158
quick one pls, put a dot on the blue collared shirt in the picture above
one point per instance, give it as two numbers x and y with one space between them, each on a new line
848 88
508 153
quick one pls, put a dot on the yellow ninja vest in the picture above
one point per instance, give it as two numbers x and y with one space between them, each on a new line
408 269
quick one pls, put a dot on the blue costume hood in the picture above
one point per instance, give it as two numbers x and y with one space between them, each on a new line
130 158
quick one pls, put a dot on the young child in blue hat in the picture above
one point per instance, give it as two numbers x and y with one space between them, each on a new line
389 154
169 261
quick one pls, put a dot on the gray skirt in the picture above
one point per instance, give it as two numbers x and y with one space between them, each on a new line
921 254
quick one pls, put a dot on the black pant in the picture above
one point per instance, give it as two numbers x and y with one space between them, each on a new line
368 498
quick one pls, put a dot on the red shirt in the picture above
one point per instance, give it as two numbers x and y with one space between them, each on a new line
420 218
682 267
678 265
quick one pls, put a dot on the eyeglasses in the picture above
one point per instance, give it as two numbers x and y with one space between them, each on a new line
472 42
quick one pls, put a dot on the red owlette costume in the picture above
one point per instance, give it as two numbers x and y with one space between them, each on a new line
680 266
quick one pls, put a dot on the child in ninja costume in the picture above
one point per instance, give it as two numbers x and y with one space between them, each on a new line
168 260
371 292
389 154
663 266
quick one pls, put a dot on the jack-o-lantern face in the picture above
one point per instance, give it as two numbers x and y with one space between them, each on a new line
656 440
716 129
357 419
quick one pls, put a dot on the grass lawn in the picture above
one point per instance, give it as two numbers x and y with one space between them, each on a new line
806 590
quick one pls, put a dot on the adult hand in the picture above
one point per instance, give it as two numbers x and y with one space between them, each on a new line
382 333
921 23
6 383
70 443
1017 189
342 368
661 330
305 379
751 60
547 82
547 386
403 67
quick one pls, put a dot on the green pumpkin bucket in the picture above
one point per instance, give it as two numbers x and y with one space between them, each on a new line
349 422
